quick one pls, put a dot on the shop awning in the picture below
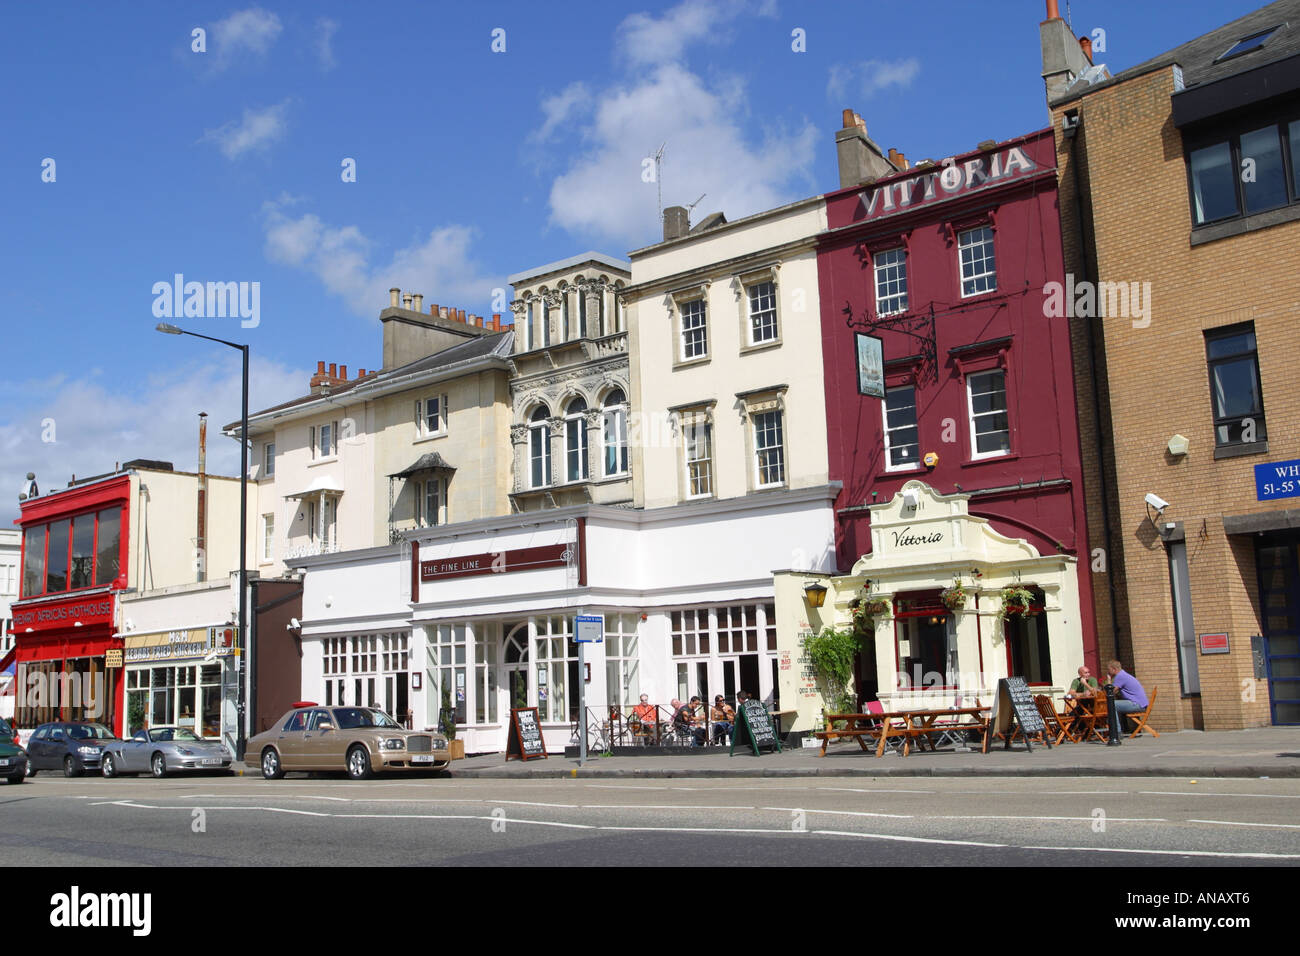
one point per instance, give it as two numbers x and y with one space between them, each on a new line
324 483
430 462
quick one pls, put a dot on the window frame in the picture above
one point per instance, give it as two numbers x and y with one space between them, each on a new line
876 268
702 328
961 265
779 447
1225 332
1230 134
539 433
618 412
422 416
439 487
268 460
692 422
975 453
884 415
747 290
575 424
268 537
93 571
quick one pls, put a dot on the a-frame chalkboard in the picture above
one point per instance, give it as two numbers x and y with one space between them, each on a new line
525 740
753 728
1014 705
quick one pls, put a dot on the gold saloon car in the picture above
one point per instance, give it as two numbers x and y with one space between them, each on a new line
361 740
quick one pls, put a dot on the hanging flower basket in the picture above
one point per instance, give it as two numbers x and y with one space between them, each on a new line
953 598
1018 602
865 612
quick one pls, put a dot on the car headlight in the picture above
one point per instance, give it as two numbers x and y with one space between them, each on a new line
439 743
392 743
88 751
186 751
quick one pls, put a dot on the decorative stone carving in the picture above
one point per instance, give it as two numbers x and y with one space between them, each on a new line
518 434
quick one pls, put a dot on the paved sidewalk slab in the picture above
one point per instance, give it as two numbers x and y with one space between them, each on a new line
1258 752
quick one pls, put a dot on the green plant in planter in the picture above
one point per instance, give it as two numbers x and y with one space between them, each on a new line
1017 600
954 598
831 654
865 611
448 715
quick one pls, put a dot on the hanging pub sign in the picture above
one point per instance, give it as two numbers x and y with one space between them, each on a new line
753 728
525 740
871 365
1014 705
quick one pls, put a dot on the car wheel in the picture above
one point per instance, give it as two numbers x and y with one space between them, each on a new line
359 764
271 768
70 768
159 766
110 766
31 771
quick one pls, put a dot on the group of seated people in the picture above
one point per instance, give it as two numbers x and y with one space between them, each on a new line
1129 694
691 721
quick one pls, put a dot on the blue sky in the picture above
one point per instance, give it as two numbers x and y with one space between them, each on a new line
225 165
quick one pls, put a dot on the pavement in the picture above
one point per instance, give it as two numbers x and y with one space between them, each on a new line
1269 752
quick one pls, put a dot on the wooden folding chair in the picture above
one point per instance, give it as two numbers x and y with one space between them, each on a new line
1054 722
1141 717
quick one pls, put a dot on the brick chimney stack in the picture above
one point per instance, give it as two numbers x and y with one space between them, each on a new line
1064 57
860 159
325 379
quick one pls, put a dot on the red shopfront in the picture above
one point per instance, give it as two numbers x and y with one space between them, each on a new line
68 654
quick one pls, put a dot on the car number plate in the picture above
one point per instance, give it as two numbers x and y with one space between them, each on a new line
4 762
210 761
423 758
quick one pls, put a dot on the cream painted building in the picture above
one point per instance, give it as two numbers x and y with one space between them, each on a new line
420 443
569 394
925 653
725 325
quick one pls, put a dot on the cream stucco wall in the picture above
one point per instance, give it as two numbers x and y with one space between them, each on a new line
779 243
164 527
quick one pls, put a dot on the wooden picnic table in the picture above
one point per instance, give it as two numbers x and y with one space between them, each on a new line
919 725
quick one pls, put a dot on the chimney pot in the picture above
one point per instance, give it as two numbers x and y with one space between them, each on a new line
902 161
334 370
1086 44
393 295
320 368
460 315
433 309
1053 10
857 121
442 312
406 301
417 302
496 321
850 119
361 373
343 372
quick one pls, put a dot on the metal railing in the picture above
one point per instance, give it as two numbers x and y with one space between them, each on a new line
613 726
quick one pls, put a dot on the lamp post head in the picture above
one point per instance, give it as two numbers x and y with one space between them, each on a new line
169 329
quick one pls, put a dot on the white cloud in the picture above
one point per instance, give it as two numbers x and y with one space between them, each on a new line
325 30
564 106
711 149
441 266
245 33
870 76
255 130
97 422
715 146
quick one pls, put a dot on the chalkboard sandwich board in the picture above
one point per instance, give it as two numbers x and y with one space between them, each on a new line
525 740
1014 704
753 728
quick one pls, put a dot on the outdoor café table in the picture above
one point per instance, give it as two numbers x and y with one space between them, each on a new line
921 725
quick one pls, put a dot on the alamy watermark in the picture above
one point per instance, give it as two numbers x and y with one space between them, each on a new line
212 300
64 689
1089 300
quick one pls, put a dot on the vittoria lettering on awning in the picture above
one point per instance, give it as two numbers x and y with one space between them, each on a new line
498 562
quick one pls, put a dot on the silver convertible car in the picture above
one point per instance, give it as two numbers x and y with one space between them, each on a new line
164 750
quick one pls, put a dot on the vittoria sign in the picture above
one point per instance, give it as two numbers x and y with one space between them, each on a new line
496 562
947 182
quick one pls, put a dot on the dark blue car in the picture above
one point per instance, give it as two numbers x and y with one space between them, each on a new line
74 747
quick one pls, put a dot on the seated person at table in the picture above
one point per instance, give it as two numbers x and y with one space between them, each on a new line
684 722
1083 686
1129 695
644 717
723 717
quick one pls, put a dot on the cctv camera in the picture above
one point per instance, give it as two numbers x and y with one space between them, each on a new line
294 624
1155 501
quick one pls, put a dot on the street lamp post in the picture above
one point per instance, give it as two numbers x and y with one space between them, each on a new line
245 635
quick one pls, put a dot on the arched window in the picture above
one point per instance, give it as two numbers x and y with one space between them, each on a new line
575 441
539 446
615 433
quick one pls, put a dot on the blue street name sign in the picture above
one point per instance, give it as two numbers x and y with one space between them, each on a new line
1277 479
590 628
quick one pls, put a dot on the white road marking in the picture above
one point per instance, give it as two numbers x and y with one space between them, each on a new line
1214 853
1020 817
1208 793
651 806
842 813
868 790
1237 823
907 839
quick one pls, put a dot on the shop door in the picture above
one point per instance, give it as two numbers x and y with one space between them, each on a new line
515 657
1279 599
865 678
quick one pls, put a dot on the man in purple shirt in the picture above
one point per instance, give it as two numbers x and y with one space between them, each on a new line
1129 695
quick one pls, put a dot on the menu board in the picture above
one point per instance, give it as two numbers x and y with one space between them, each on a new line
525 740
1015 703
753 728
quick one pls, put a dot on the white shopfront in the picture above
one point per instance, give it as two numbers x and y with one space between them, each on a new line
925 653
483 612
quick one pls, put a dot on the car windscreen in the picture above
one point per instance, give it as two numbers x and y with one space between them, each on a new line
183 733
350 718
90 732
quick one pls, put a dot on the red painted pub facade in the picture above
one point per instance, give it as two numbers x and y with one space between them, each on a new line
944 265
75 561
